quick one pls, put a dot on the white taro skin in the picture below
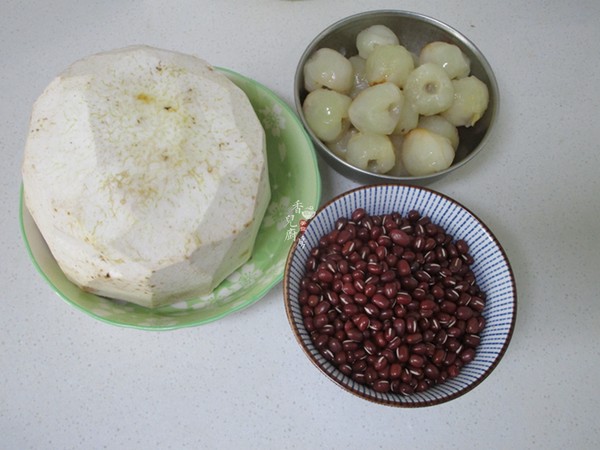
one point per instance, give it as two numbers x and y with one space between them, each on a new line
145 170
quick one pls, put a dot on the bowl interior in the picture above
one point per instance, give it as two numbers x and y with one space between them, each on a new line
295 183
491 268
414 31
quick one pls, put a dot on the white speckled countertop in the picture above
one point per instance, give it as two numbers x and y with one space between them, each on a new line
70 382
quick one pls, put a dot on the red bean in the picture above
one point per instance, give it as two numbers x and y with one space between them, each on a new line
384 241
467 355
419 293
350 309
358 377
322 308
472 340
355 334
371 309
342 266
404 298
381 386
400 237
462 246
452 295
400 311
380 363
414 338
399 325
395 371
321 341
320 320
360 365
392 302
428 304
428 336
348 345
394 343
343 236
464 313
358 214
369 347
370 375
448 307
381 301
411 325
328 354
477 304
416 360
361 299
387 276
376 325
370 289
453 344
409 283
441 337
374 268
472 326
453 371
359 285
403 267
348 289
380 339
438 357
402 353
346 369
420 348
455 264
391 260
423 276
405 389
381 253
361 321
390 290
432 372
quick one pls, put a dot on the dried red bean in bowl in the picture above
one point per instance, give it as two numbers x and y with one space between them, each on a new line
401 327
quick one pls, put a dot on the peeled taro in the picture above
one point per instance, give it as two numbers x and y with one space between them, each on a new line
145 170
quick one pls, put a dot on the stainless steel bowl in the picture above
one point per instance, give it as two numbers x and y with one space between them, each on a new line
414 31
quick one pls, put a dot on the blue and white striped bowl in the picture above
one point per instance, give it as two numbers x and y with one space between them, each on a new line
491 268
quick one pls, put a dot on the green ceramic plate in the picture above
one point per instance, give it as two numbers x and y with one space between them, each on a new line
295 194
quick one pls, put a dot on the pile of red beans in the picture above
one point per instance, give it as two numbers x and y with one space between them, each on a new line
391 301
